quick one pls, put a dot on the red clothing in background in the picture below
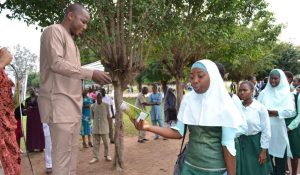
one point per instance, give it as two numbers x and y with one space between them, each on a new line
9 150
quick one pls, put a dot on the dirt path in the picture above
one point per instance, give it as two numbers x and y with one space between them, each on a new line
155 157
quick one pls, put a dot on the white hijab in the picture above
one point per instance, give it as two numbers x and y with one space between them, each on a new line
277 98
212 108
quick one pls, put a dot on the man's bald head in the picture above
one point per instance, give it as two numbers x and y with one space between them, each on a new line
76 19
75 8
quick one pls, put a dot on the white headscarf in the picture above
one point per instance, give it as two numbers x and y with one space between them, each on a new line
277 98
212 108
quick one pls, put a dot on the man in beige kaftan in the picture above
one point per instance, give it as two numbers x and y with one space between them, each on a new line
60 100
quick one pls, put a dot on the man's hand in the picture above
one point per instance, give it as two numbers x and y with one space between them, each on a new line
5 57
100 77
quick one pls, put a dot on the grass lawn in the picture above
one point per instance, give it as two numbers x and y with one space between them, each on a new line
129 129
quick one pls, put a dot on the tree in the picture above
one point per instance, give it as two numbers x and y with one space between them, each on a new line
287 57
24 61
198 27
87 56
249 49
33 79
154 72
120 34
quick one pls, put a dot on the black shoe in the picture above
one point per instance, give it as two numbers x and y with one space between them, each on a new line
112 142
146 139
90 144
48 170
141 141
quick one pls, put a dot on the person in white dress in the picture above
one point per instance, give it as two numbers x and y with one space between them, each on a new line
277 99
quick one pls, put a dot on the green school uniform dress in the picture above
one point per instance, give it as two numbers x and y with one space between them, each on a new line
249 152
294 133
204 154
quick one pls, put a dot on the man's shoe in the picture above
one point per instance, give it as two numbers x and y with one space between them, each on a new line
112 142
90 144
48 170
108 158
146 139
94 160
141 141
84 145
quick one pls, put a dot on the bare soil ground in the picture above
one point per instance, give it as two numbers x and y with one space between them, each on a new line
154 157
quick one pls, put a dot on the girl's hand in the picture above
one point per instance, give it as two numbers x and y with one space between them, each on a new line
141 125
262 156
273 113
144 125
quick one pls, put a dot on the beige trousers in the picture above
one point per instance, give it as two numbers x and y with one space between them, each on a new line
111 129
142 135
64 137
96 142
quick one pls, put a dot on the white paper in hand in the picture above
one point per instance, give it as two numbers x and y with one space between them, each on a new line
142 116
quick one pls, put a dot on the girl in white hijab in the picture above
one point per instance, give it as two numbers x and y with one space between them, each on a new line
277 99
212 120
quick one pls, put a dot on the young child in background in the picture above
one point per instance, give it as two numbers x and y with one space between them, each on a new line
100 113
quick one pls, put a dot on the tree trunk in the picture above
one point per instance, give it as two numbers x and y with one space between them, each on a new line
139 86
237 86
119 127
108 90
164 86
179 89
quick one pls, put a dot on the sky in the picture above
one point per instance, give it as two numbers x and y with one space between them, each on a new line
287 12
13 32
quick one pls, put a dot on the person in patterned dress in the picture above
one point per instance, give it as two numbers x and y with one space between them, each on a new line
9 150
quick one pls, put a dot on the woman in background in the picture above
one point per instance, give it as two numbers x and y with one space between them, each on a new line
86 126
170 108
277 99
35 140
